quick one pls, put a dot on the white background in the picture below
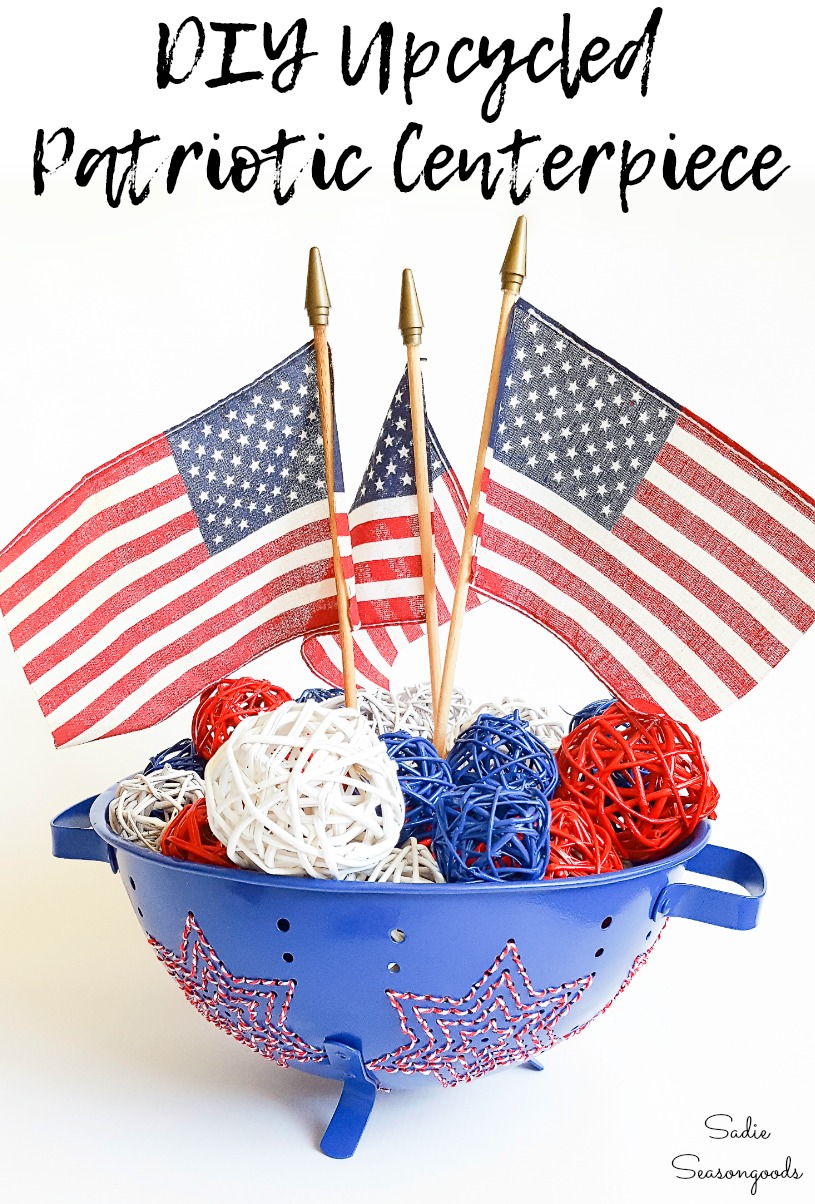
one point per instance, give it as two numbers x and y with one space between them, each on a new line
117 324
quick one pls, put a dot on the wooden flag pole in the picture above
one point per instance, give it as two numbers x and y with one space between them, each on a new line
318 304
513 271
411 325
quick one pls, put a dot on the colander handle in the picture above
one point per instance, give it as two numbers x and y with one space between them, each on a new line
718 907
74 837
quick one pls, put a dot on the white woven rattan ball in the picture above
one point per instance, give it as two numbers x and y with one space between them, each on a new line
307 790
379 707
145 804
415 705
413 862
540 721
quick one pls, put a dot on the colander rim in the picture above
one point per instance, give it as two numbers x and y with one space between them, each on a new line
99 822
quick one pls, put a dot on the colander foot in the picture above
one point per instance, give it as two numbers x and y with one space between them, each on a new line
533 1064
347 1125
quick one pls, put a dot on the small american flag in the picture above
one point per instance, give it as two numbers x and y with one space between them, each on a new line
387 555
678 566
179 561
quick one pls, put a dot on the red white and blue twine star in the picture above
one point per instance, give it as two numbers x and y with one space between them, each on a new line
501 1020
253 1010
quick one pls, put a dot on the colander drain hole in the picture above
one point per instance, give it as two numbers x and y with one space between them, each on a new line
599 952
606 922
283 924
396 935
288 957
132 884
394 967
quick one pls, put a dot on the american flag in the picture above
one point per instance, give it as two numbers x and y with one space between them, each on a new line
678 566
387 555
179 561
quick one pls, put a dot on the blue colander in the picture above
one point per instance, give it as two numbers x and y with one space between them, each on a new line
389 986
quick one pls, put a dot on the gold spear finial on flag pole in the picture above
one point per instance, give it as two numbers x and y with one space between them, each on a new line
411 322
411 325
318 304
513 271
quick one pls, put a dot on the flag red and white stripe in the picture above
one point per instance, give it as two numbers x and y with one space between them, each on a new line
376 650
387 554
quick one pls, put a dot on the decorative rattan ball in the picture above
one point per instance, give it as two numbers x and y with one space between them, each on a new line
589 711
423 774
579 846
538 719
145 804
222 706
415 710
412 862
189 837
181 756
305 790
487 832
320 694
411 710
500 749
380 708
641 774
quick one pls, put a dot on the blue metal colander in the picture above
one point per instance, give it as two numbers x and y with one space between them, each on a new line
387 986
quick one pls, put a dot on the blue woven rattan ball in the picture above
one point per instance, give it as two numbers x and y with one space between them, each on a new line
487 832
423 776
319 693
181 756
589 711
501 749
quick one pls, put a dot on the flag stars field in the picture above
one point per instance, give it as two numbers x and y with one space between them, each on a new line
232 426
590 387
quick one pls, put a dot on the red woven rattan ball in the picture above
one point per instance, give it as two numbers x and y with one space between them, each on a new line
579 846
223 705
189 837
641 775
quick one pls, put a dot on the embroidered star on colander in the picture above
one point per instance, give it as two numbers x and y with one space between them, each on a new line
502 1019
253 1010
